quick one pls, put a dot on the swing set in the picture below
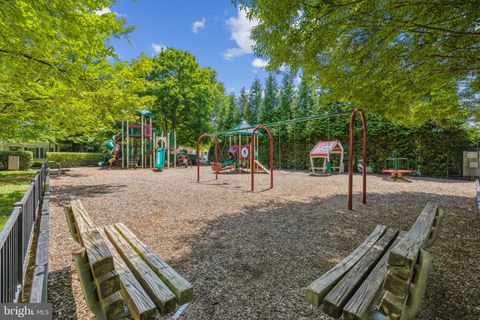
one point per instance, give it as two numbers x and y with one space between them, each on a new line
243 154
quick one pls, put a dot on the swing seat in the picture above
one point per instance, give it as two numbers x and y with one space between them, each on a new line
216 166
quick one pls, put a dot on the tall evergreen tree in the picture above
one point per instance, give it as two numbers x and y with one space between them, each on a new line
254 102
242 105
304 105
269 106
231 112
286 98
226 113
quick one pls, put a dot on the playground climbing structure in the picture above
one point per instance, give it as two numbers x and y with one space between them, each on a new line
139 145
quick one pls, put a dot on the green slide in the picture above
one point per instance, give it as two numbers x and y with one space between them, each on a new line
229 162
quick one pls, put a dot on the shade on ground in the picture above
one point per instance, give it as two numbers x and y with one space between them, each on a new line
251 255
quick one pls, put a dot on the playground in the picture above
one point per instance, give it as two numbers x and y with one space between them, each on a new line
250 255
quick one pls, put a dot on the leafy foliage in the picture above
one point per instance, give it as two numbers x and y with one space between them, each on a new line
56 80
75 159
267 112
411 61
254 101
185 94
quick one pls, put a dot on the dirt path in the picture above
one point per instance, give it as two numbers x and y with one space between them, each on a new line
250 256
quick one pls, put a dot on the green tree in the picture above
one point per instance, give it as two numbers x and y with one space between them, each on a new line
254 101
227 113
410 61
185 94
286 97
268 108
242 105
304 103
55 78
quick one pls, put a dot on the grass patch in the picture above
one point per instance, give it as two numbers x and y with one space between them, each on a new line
13 185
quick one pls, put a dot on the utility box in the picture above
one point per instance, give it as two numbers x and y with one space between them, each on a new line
471 164
13 162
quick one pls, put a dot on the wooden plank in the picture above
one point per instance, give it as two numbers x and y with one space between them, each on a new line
86 281
81 219
361 303
436 226
318 289
163 298
107 284
71 224
338 297
392 305
41 254
397 285
419 285
99 256
140 306
175 282
405 252
113 306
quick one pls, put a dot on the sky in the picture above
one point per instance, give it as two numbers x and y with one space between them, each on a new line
216 32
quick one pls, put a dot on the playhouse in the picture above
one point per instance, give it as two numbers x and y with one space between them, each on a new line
323 150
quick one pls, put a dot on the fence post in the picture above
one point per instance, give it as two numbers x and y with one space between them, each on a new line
20 253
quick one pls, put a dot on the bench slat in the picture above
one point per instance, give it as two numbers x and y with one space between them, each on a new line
139 304
318 289
338 297
107 284
405 252
176 283
402 261
361 303
161 295
113 306
99 256
83 222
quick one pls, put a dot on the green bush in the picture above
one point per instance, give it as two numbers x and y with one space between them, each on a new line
37 164
26 158
75 159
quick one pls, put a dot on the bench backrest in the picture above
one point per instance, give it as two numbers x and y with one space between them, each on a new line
404 284
94 264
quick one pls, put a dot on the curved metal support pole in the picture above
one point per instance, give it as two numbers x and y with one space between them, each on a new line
212 138
364 157
252 155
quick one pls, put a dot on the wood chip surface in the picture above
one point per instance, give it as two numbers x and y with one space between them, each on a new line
251 255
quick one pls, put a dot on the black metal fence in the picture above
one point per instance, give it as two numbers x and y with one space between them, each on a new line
16 239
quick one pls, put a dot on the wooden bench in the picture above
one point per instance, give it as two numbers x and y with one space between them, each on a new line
389 269
120 275
56 168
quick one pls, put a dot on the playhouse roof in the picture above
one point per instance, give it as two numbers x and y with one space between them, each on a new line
326 147
243 129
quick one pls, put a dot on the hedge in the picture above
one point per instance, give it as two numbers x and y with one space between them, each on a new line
75 159
26 158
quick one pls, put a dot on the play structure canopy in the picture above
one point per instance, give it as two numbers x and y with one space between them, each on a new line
243 129
325 148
